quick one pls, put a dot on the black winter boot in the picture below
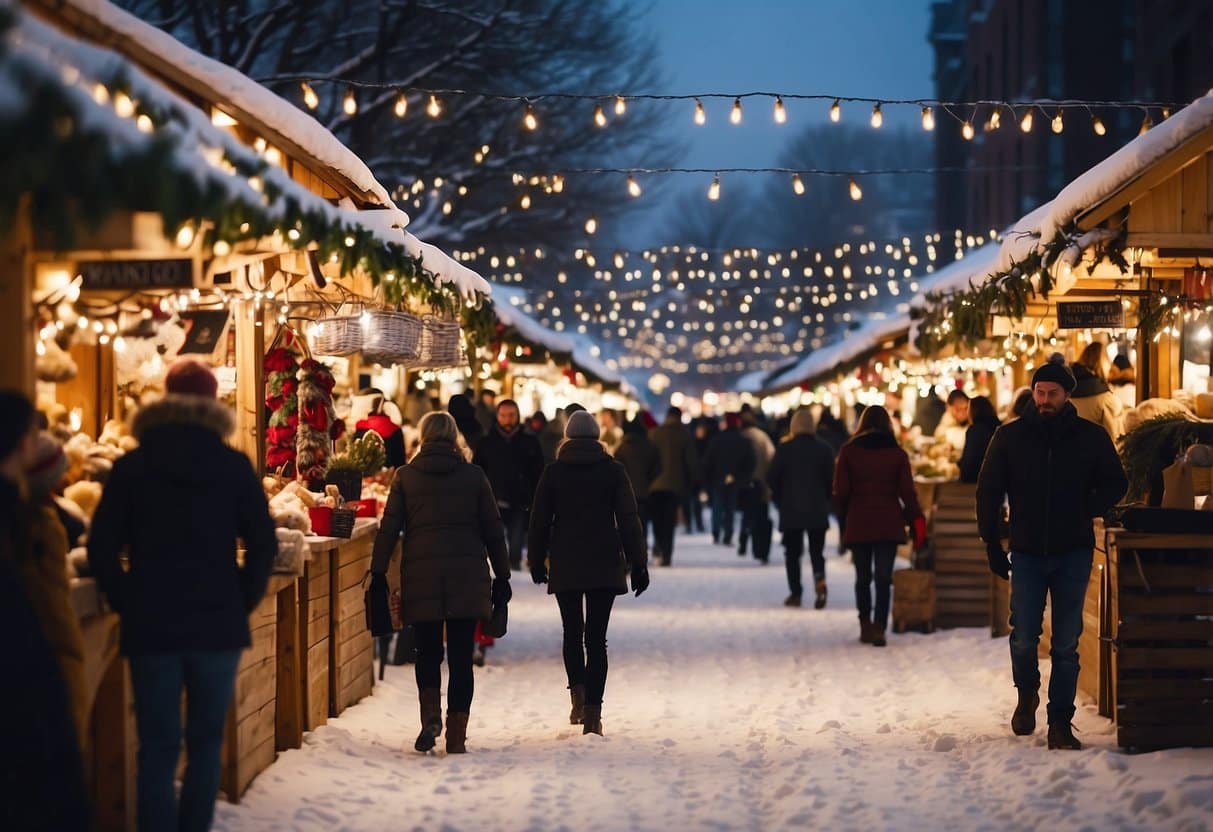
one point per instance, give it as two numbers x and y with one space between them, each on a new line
819 584
1061 737
592 723
1023 721
456 733
577 695
431 718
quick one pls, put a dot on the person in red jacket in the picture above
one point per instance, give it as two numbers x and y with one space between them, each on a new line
382 424
874 495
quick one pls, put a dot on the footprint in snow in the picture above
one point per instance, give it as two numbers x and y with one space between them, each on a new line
884 729
1144 800
830 724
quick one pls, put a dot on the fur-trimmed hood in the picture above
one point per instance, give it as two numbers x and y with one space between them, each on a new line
184 411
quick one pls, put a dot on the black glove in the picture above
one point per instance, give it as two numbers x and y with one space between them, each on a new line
1000 564
640 579
539 574
501 593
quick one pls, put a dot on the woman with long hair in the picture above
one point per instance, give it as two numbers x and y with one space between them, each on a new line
1092 397
874 493
983 421
445 507
585 534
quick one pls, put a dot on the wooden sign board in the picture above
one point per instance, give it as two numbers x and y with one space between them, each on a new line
1090 314
136 274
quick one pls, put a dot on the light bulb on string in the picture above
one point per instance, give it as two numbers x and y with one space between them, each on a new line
877 117
310 99
1057 124
591 225
525 202
1146 124
995 119
714 188
1025 123
1098 126
402 105
928 118
599 116
701 117
836 111
349 103
434 108
634 186
735 115
781 113
856 192
621 106
529 120
1166 112
557 184
797 184
966 130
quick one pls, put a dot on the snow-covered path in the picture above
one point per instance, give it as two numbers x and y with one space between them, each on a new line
725 710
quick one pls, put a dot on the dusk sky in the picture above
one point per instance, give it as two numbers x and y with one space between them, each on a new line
870 48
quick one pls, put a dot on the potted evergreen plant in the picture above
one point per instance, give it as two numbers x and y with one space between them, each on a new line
363 457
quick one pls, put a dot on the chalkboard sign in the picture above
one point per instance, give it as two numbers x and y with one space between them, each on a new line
204 330
136 274
1090 314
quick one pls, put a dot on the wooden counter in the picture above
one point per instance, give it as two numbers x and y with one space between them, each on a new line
352 658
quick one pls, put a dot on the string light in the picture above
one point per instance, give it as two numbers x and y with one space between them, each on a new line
123 105
995 119
525 202
701 117
1146 124
529 120
633 186
1057 124
591 225
402 105
835 111
877 117
599 116
781 114
434 108
1098 126
856 192
928 118
621 106
797 184
735 115
349 103
310 99
1025 123
966 130
714 189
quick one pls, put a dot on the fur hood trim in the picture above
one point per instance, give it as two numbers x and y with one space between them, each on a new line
195 411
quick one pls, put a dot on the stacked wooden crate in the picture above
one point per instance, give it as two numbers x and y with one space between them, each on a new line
962 573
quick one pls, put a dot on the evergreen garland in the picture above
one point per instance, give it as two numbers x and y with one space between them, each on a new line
318 425
281 387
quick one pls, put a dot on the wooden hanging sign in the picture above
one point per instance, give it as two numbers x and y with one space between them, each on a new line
136 274
1090 314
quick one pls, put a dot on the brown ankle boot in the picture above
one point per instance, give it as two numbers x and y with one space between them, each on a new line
865 632
592 723
431 718
577 695
820 586
878 639
1023 721
456 733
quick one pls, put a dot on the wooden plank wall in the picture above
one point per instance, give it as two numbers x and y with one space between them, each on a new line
962 573
315 616
249 745
352 669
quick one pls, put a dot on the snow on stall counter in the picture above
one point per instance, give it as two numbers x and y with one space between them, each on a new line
725 710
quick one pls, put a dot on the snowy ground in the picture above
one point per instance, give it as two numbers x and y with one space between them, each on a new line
725 710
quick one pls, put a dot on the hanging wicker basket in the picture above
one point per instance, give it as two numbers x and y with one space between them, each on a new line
340 334
391 337
441 344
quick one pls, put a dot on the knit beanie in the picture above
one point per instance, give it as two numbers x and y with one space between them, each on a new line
191 378
46 466
1055 371
802 422
581 426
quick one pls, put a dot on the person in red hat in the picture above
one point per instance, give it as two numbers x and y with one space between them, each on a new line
177 505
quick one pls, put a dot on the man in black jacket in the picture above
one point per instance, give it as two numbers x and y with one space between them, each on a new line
513 462
1058 471
728 464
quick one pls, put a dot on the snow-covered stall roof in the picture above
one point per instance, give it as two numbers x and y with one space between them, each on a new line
507 308
281 122
956 276
1039 228
198 147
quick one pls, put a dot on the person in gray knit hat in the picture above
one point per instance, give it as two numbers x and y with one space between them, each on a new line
583 516
1057 471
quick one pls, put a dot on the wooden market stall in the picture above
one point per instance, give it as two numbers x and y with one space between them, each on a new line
89 294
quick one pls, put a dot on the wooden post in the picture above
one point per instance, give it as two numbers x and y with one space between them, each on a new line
16 289
113 752
250 382
288 713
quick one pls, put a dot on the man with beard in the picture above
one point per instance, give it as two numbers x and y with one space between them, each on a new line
513 462
1057 471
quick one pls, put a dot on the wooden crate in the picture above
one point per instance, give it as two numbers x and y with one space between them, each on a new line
961 570
315 615
248 745
352 662
1161 612
914 600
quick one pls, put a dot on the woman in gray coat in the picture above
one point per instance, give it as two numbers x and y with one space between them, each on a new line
446 509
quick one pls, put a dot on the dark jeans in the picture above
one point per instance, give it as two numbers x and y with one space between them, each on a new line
516 521
692 509
663 505
756 522
585 644
1064 579
882 555
724 509
793 548
208 678
460 633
